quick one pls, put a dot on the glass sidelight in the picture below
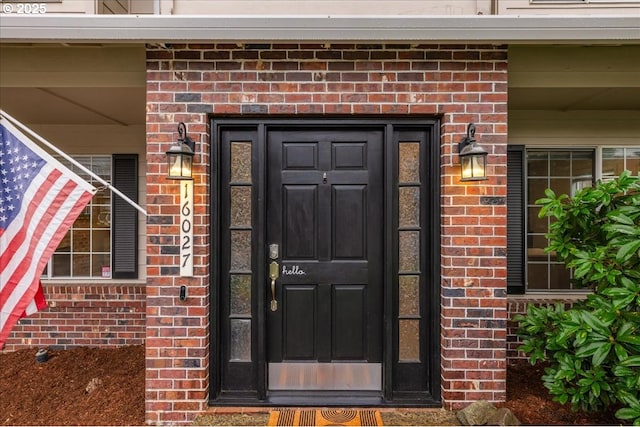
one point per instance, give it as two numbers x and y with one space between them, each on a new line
240 186
415 273
409 235
236 314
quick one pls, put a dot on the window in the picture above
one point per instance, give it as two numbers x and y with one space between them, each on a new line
616 160
85 251
102 242
565 171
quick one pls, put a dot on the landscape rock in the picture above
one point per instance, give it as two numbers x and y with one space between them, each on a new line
476 414
503 417
484 413
94 384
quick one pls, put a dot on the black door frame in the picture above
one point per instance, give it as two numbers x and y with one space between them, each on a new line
257 394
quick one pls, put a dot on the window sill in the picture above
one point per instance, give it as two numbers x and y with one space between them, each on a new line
548 297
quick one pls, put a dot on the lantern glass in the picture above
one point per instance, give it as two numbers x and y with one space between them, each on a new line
179 163
474 167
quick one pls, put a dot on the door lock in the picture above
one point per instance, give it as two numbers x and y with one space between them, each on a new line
274 273
274 251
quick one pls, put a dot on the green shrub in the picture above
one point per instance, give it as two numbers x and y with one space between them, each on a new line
593 347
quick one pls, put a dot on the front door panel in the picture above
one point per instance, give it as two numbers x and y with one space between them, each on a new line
325 213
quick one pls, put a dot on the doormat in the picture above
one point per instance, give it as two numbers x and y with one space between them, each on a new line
325 417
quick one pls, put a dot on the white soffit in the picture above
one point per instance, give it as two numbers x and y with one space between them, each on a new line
362 29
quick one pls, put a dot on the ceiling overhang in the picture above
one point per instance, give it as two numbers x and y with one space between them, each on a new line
303 28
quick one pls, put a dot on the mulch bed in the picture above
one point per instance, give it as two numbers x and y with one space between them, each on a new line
89 386
56 392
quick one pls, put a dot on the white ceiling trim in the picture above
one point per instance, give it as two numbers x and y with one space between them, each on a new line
361 29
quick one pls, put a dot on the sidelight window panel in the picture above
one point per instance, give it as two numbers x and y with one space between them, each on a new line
409 166
240 250
410 206
240 340
240 200
241 162
240 295
409 340
409 295
239 247
409 251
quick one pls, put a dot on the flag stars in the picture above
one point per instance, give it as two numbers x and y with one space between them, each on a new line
19 165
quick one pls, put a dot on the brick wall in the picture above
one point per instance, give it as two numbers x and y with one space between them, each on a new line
459 83
95 315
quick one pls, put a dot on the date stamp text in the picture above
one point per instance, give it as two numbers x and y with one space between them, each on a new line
24 8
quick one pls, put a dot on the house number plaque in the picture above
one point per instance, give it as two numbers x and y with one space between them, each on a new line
186 228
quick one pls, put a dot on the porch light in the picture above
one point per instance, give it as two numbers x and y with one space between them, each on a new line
180 155
473 158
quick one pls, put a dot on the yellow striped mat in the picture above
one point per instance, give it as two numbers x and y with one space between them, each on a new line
325 417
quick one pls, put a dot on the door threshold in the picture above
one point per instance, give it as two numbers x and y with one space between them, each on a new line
325 398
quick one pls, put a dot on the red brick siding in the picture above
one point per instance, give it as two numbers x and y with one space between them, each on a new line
95 315
459 83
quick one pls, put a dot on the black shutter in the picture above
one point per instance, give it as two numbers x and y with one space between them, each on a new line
124 218
516 204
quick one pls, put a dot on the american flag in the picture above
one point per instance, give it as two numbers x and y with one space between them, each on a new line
39 201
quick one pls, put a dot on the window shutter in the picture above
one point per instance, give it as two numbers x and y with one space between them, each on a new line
516 255
124 218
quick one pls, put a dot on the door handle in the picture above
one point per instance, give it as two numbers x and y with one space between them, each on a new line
274 273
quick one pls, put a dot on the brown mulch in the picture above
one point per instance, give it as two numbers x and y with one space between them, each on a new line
89 386
56 392
531 403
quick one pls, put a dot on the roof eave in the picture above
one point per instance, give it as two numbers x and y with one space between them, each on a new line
306 29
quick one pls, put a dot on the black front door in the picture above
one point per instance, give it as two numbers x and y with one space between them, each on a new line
324 235
345 214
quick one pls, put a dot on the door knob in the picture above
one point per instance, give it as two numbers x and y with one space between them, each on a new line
274 273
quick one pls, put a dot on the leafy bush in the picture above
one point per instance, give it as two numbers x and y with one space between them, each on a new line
593 347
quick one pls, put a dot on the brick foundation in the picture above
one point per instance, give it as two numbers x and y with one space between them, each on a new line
518 305
91 315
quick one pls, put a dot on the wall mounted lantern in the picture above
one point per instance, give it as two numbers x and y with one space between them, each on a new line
473 158
180 156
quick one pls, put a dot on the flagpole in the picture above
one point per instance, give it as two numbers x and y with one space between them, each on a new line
76 163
